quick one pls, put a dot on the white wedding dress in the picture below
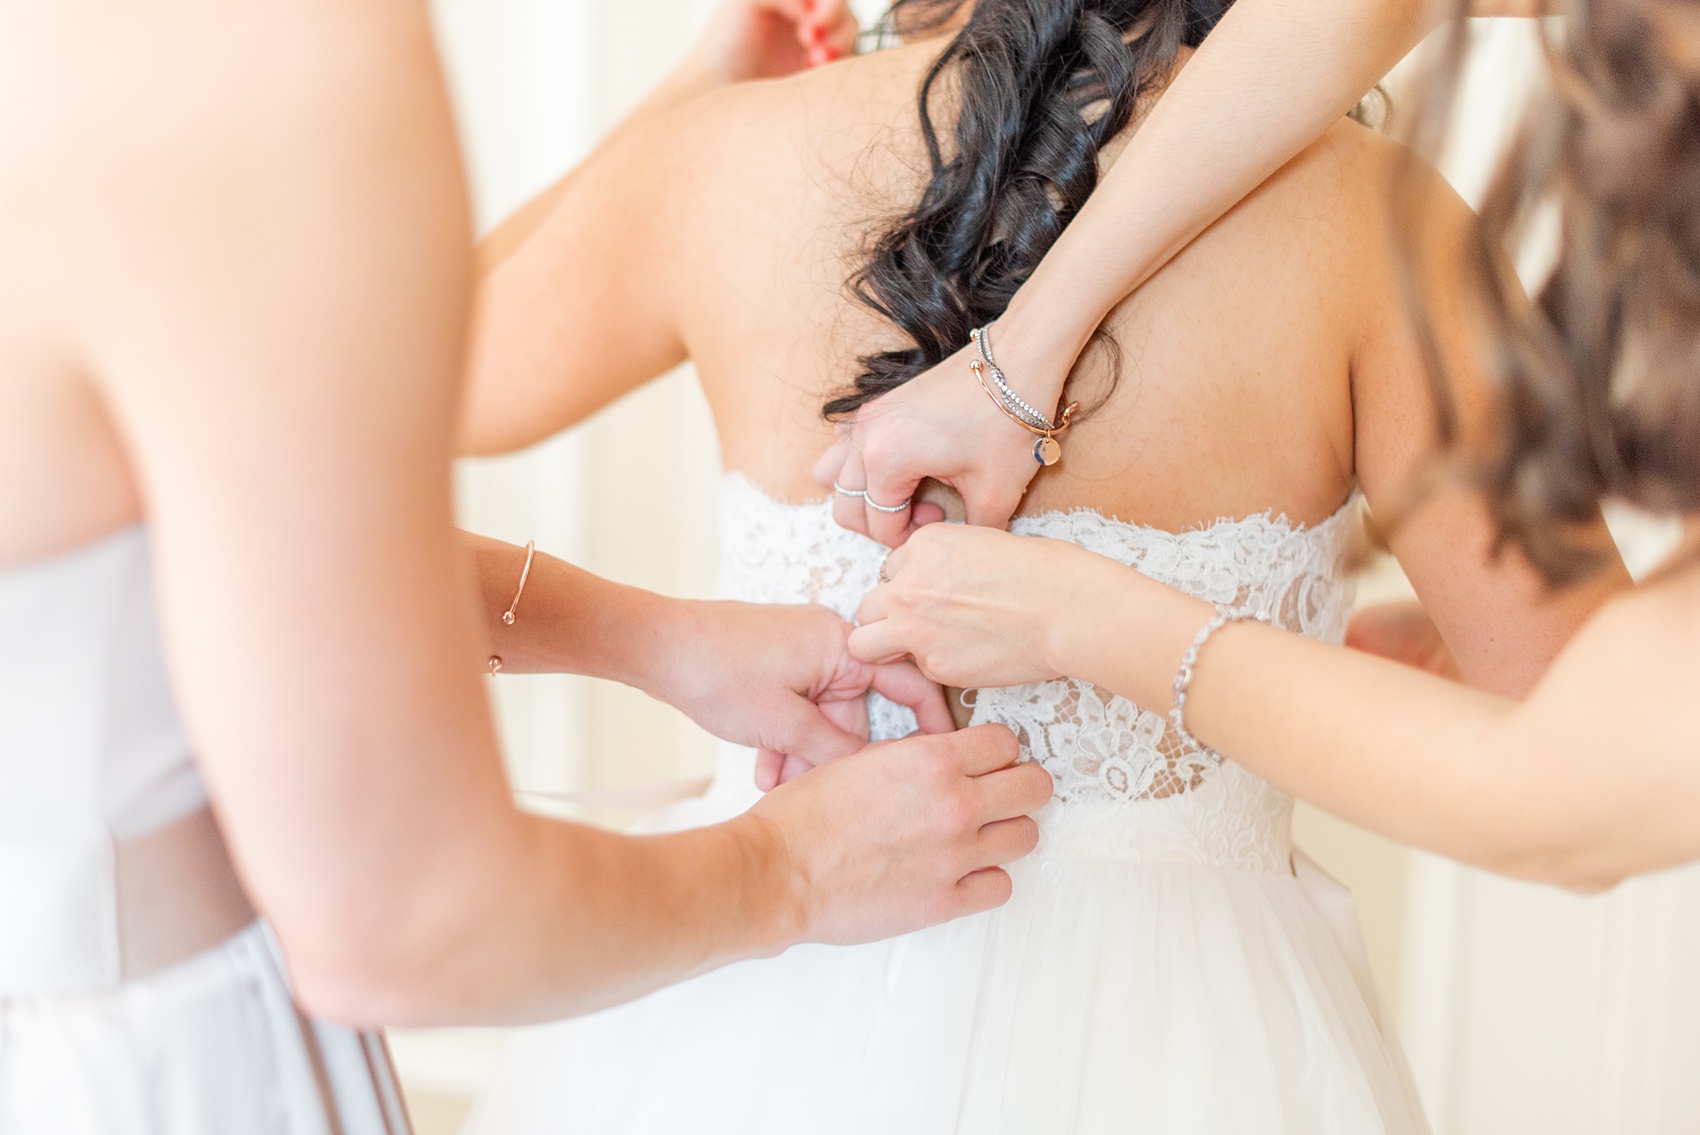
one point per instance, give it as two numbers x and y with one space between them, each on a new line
1166 965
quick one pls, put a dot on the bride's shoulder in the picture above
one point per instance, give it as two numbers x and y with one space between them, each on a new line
1344 194
1368 173
853 97
818 134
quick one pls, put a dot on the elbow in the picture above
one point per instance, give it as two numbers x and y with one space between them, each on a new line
367 971
1581 875
1567 864
350 993
354 986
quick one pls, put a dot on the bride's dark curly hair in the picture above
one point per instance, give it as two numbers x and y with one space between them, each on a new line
1039 86
1599 378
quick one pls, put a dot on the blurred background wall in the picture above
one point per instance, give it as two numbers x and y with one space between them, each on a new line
1523 1009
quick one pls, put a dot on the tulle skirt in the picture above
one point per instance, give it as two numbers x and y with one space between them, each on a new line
1110 995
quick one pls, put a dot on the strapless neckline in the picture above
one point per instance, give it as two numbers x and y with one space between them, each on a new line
1270 518
1103 752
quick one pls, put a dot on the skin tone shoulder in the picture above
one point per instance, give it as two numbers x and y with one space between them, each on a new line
241 318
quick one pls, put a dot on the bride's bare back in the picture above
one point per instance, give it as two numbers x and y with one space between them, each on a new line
1270 366
728 230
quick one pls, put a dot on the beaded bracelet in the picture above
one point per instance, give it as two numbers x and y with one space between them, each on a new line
1183 677
982 337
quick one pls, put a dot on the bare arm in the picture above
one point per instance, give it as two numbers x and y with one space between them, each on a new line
1591 779
581 312
574 305
276 321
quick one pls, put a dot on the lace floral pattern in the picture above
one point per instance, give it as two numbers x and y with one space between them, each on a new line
1099 746
773 552
1126 786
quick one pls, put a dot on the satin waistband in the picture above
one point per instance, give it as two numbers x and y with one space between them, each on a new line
85 914
1189 827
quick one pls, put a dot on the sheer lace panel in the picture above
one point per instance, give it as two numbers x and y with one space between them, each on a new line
1097 745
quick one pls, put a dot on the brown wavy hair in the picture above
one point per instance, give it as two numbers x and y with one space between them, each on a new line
1598 378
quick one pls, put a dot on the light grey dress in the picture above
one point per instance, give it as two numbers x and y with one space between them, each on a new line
138 993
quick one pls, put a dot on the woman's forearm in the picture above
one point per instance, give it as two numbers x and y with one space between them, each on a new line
539 919
1266 83
1522 788
1372 741
750 673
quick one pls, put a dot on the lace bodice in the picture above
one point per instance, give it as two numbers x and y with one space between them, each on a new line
1126 786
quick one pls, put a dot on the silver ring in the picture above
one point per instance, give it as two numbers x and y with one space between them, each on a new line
883 577
842 491
878 507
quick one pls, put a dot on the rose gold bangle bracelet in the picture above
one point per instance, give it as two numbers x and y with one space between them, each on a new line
509 616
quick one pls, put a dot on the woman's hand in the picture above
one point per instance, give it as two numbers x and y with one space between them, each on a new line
782 680
904 834
976 606
941 425
769 39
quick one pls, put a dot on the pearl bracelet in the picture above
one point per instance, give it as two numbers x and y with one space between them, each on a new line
1183 677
